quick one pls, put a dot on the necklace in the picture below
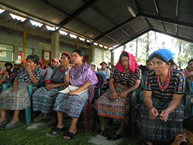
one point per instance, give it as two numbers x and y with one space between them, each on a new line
167 81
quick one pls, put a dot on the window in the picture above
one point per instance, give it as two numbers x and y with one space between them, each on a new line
29 51
6 53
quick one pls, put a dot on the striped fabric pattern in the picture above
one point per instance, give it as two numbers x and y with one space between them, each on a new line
108 107
18 100
157 130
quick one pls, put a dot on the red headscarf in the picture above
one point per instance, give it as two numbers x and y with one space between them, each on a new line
132 63
65 53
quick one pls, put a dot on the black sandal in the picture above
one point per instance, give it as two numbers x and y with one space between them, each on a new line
102 132
57 131
68 136
115 137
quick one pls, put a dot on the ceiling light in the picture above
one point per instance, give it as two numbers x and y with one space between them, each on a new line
38 24
131 11
19 18
88 41
100 45
82 39
105 47
62 32
73 36
1 10
50 28
95 43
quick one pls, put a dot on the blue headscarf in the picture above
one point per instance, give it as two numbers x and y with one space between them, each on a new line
165 54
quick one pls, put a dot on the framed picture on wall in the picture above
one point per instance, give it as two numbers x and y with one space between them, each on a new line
46 56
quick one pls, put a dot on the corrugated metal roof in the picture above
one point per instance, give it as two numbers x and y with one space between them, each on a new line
110 22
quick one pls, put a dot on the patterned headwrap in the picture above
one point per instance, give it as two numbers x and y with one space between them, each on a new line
165 54
65 53
132 63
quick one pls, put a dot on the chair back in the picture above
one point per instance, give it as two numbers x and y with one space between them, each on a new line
100 80
102 74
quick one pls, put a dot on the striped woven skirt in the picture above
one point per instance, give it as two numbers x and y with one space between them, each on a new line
112 108
157 130
18 100
43 100
71 105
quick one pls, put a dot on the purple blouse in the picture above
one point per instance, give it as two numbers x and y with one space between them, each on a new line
81 75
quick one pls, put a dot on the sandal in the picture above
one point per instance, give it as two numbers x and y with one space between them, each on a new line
57 131
68 136
11 125
3 122
115 137
102 132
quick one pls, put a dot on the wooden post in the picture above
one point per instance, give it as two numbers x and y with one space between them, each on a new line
24 45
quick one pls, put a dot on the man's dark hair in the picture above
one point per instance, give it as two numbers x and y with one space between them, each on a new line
8 64
188 124
190 61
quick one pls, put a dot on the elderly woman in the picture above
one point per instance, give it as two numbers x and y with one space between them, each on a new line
82 76
188 72
16 98
115 102
161 115
44 97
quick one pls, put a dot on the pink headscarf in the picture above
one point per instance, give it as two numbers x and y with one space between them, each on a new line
132 63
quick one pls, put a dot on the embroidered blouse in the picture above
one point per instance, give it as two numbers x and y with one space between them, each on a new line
78 76
126 78
176 86
23 75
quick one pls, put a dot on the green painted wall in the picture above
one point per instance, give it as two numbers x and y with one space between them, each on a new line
15 40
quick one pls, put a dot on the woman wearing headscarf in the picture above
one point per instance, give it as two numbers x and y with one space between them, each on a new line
43 98
115 102
161 115
16 98
82 76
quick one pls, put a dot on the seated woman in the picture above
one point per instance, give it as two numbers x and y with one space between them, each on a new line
115 102
161 115
16 98
82 76
188 72
43 98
